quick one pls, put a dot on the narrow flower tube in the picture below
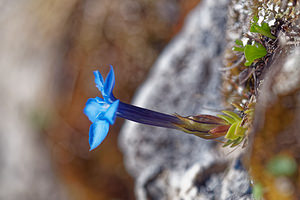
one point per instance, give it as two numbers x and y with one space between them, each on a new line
145 116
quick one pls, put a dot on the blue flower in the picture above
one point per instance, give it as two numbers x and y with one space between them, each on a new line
101 112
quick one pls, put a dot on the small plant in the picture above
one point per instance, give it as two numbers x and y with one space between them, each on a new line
255 50
263 29
240 46
251 52
236 132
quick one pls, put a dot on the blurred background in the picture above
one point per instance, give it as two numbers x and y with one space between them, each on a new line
49 50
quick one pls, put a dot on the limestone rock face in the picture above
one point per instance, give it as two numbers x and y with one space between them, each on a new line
186 79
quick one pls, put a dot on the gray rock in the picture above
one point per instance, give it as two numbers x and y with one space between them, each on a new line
168 164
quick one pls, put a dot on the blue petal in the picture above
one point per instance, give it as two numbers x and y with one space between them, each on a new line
110 114
99 81
95 107
98 132
109 83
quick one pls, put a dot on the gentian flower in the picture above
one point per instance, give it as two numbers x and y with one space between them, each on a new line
103 111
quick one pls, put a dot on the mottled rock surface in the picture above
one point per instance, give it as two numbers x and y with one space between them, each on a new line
168 164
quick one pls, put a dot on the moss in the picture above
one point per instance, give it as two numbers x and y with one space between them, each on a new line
271 118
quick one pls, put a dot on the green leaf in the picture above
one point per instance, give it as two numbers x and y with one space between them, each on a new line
253 52
231 132
253 29
240 46
239 42
264 29
228 143
227 119
247 63
241 49
237 141
240 131
255 19
258 191
232 115
282 165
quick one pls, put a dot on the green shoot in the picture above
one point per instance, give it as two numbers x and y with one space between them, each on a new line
264 29
240 46
229 120
232 115
253 52
236 133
